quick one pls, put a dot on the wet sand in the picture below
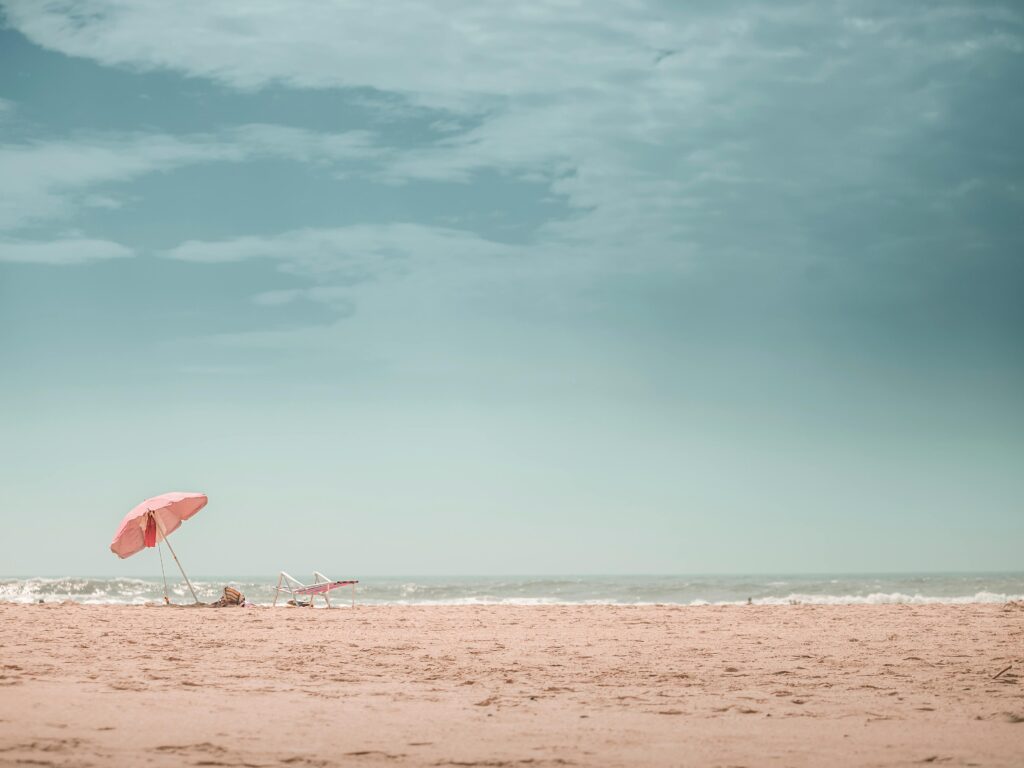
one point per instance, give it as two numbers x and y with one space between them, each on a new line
512 686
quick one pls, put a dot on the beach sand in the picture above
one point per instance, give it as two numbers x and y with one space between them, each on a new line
512 685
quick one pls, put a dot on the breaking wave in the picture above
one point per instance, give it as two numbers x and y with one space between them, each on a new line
902 589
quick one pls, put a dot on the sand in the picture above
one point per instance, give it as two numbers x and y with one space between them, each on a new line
512 686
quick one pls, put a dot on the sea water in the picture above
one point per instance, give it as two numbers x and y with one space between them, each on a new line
774 589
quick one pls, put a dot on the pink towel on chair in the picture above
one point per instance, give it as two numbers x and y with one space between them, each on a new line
319 589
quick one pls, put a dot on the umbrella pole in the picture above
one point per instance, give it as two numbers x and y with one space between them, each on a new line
167 541
167 600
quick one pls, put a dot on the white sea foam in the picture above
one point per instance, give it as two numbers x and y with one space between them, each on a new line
590 590
881 598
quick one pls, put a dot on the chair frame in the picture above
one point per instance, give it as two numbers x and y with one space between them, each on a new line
321 587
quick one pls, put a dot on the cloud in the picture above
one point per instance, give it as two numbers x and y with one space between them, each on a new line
352 254
751 138
58 252
277 298
435 53
46 180
338 297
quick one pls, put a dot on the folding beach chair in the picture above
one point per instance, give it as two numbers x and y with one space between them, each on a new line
321 586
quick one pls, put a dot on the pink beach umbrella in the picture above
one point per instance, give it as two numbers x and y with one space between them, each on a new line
150 522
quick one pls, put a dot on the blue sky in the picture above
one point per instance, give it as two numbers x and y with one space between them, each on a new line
497 288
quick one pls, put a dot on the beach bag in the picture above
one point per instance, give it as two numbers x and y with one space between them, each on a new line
231 597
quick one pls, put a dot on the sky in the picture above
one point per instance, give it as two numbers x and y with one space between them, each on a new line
500 288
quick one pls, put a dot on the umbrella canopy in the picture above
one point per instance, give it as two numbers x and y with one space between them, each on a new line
152 520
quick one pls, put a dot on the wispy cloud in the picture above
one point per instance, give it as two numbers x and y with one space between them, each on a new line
350 255
47 180
436 54
339 297
63 251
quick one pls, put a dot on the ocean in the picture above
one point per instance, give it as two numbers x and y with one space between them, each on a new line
776 589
